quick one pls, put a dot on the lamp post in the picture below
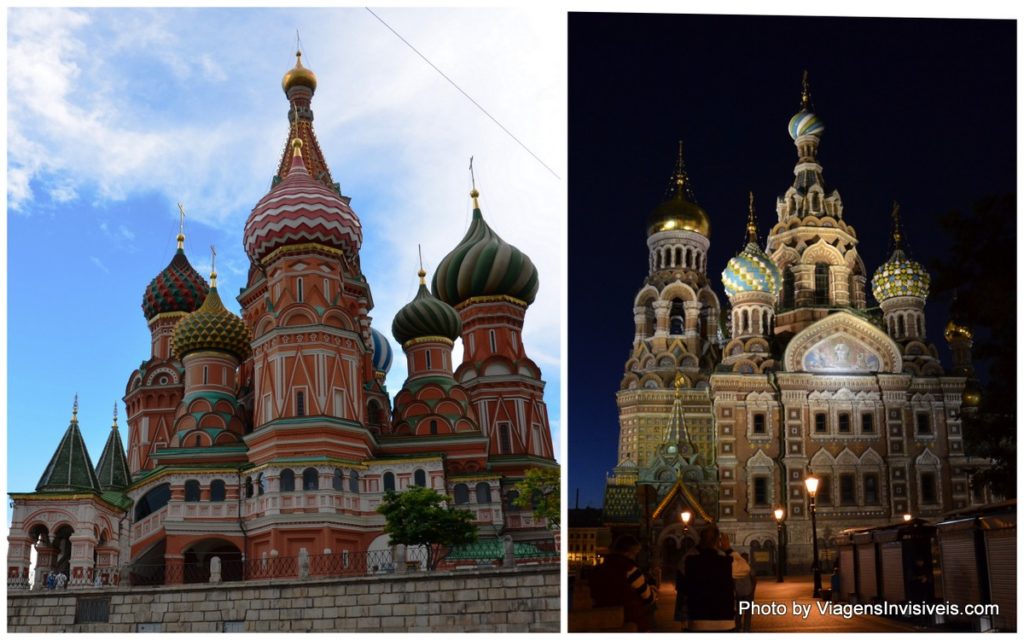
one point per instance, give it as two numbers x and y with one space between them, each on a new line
779 514
812 490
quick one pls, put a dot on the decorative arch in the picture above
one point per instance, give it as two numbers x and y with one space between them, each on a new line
646 296
843 343
678 289
822 251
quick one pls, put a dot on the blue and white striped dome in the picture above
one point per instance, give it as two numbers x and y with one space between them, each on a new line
382 353
751 270
805 123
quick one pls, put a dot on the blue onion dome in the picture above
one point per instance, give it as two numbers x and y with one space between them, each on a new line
805 122
484 265
899 275
425 316
382 353
751 269
679 211
212 327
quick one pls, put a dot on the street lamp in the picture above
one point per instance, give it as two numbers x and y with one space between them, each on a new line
686 515
812 490
907 517
779 515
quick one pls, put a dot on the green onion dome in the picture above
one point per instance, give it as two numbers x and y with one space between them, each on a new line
212 327
425 316
483 264
900 276
178 288
751 270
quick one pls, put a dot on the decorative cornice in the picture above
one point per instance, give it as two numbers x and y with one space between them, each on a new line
484 299
422 339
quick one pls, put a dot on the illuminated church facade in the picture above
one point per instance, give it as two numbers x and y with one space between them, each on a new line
269 434
724 410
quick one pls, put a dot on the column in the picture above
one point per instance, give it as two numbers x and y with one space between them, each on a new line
19 549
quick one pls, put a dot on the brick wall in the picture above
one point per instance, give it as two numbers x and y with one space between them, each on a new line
497 600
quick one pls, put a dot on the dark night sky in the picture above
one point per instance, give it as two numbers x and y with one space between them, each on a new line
919 111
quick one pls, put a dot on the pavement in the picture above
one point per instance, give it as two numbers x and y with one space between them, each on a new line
780 597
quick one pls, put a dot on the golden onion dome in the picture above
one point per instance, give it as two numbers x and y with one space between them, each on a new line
954 331
298 76
679 211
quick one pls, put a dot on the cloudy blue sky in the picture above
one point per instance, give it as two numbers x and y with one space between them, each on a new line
115 115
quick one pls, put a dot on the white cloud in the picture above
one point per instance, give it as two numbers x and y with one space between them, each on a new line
99 264
184 104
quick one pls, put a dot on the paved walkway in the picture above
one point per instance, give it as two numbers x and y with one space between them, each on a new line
796 589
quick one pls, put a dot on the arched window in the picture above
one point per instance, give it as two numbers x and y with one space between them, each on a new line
353 481
920 328
310 479
287 480
218 491
512 496
338 482
787 289
389 481
248 487
461 492
191 491
679 257
746 321
261 484
433 427
764 322
483 492
821 283
901 326
419 478
677 318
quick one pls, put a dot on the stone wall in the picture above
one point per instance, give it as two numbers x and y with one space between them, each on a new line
497 600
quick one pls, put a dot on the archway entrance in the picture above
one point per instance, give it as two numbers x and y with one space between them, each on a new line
62 543
199 555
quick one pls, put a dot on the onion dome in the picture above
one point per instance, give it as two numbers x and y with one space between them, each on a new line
899 275
211 327
298 76
426 316
679 211
178 288
301 210
955 331
483 264
805 122
70 469
751 269
382 354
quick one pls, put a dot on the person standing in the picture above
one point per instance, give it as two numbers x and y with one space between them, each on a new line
619 582
710 600
680 610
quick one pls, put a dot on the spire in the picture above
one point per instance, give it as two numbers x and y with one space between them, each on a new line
181 227
422 273
752 222
805 94
474 193
112 470
70 469
298 164
299 84
679 184
676 433
897 235
213 267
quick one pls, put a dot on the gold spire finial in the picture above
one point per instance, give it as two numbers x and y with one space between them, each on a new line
213 267
805 95
752 221
181 226
474 193
897 236
74 410
114 426
680 176
296 144
421 273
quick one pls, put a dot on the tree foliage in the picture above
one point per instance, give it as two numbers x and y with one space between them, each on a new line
980 268
540 490
417 516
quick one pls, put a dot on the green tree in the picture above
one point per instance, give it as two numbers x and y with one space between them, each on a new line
980 269
417 516
540 490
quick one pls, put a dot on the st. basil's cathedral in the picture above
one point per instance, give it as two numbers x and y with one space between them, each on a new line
725 412
272 434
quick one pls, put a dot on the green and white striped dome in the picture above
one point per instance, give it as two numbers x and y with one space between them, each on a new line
425 316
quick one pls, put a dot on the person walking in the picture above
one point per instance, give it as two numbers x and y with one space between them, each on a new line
745 577
619 582
710 601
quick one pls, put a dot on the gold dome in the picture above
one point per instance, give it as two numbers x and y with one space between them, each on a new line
954 331
679 214
298 76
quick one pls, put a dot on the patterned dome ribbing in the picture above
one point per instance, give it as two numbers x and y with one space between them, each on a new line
178 288
805 122
751 269
301 210
899 275
382 353
484 265
425 316
212 327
